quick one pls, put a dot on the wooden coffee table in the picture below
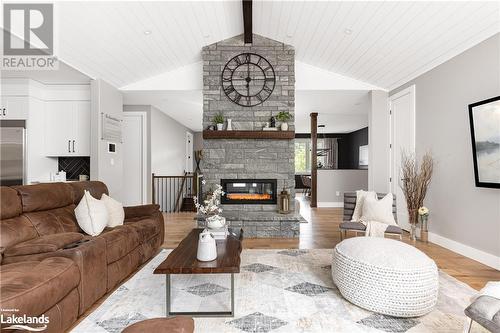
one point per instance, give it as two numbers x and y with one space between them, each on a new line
182 260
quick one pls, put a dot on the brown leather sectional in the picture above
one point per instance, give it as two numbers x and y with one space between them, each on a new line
49 266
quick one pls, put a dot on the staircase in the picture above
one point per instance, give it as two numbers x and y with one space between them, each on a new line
188 205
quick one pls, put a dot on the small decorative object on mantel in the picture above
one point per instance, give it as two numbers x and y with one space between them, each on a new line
207 248
414 183
219 121
284 202
229 126
273 122
210 209
423 213
268 128
284 116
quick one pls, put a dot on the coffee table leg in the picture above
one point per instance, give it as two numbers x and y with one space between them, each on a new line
232 294
168 294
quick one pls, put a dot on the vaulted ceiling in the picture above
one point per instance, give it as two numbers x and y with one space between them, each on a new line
382 43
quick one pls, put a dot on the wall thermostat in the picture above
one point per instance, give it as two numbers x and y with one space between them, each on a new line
111 147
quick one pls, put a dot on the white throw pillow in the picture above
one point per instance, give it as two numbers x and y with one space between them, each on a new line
378 210
360 198
116 214
91 214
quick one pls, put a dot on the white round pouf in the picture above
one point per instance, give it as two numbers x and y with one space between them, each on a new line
385 276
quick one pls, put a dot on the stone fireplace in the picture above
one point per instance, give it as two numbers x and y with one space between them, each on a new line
243 166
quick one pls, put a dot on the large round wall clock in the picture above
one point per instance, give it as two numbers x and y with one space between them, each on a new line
248 79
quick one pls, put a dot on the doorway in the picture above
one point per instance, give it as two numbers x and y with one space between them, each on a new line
402 138
134 158
189 152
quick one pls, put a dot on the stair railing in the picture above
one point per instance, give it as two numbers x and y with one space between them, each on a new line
171 191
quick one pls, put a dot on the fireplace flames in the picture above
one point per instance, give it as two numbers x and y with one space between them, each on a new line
249 196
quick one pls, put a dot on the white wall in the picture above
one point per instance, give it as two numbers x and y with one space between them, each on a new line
168 145
332 181
104 166
378 141
463 217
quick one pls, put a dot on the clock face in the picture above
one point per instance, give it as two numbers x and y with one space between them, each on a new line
248 79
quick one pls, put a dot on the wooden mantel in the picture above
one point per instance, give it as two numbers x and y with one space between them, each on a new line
276 135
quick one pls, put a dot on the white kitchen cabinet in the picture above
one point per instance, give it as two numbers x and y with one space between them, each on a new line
67 128
14 107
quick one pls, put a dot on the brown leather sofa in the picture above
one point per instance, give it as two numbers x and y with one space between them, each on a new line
49 266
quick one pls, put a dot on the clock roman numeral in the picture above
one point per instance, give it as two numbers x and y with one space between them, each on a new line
267 89
247 58
237 98
237 60
229 90
259 97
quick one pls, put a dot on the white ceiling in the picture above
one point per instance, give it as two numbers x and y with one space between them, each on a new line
184 106
389 43
341 111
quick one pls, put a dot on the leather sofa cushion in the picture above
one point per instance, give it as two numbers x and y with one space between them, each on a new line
41 197
35 286
15 230
49 243
96 189
10 203
54 221
135 212
120 241
146 229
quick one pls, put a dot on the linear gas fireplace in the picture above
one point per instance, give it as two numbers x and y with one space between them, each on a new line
249 191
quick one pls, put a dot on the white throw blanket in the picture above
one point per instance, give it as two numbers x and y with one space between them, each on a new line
492 288
374 228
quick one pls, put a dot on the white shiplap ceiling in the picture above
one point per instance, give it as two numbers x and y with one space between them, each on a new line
386 44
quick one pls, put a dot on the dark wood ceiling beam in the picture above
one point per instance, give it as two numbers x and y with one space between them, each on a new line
247 20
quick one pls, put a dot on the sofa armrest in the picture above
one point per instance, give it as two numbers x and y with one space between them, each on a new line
141 211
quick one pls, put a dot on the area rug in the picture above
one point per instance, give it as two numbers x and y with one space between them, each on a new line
276 291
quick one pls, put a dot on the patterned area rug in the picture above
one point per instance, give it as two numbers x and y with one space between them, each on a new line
276 291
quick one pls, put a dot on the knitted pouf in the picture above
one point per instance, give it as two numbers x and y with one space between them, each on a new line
385 276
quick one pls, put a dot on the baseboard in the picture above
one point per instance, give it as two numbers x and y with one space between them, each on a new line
466 250
330 204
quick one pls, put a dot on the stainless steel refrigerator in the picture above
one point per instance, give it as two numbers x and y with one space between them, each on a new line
12 152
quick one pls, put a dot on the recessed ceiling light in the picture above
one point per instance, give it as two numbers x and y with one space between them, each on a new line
348 31
147 32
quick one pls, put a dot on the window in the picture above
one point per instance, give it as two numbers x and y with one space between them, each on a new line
326 154
302 156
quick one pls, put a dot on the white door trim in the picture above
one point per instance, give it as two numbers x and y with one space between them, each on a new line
407 91
144 164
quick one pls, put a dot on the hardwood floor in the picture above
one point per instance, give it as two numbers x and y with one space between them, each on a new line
322 231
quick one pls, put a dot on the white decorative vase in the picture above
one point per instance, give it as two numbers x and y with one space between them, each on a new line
207 248
284 126
229 125
215 222
220 127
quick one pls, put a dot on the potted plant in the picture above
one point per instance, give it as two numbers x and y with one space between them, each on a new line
210 208
414 183
219 121
284 116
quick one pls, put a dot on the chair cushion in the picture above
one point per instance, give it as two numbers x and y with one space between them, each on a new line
49 243
120 241
35 286
391 229
352 226
486 311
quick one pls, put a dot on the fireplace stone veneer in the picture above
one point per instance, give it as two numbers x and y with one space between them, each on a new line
251 158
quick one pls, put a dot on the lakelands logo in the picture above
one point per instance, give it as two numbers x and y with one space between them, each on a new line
28 36
24 322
